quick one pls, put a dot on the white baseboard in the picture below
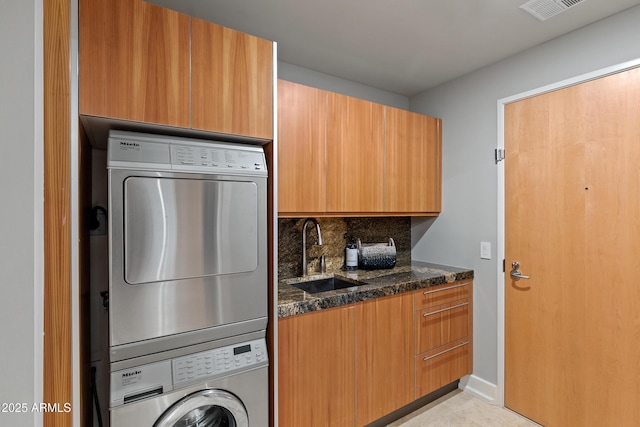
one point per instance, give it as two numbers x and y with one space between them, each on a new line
480 388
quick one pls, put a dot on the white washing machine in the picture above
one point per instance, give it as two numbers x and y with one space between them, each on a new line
224 383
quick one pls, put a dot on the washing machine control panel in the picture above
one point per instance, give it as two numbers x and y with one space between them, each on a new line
218 361
153 379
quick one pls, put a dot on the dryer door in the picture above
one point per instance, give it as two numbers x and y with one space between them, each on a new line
177 228
206 408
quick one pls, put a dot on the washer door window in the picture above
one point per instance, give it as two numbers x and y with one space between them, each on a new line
206 408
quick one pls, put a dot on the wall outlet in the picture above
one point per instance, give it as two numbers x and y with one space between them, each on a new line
485 250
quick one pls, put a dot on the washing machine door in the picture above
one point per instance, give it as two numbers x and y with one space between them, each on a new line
206 408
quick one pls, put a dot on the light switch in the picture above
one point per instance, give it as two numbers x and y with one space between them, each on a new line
485 250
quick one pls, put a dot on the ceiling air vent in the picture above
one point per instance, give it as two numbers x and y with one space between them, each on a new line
545 9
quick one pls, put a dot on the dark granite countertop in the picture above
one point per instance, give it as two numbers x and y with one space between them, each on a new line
367 285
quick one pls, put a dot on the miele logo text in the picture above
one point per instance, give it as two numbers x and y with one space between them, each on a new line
131 374
129 144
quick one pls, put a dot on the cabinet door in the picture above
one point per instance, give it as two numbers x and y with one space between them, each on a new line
302 126
316 368
384 356
355 155
413 162
232 81
134 62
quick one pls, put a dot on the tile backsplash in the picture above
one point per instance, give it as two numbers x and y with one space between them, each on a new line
336 233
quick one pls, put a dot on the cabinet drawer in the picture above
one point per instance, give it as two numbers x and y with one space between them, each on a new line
442 294
441 325
436 369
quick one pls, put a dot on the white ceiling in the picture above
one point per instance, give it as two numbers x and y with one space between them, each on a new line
401 46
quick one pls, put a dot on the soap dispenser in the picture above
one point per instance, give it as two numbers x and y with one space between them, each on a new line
351 256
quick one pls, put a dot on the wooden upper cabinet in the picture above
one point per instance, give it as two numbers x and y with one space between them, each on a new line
340 155
232 87
413 162
302 126
355 155
134 62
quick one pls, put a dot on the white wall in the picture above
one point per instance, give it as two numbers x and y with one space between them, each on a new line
468 108
21 235
323 81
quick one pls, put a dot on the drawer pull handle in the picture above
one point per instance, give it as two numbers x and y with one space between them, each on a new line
446 351
445 309
445 289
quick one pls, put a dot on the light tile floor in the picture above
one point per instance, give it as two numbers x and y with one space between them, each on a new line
461 409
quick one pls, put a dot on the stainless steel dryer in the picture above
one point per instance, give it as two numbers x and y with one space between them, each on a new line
188 242
220 384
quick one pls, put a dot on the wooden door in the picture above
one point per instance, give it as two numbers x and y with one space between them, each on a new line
384 356
316 368
302 149
412 165
134 62
355 155
232 81
572 331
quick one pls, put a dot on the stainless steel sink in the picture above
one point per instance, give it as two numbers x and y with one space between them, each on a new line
324 285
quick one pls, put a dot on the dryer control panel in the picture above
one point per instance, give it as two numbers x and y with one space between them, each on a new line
218 361
139 151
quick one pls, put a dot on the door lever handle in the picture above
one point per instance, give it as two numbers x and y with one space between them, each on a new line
515 273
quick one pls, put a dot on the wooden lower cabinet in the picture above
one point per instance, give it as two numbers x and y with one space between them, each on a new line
316 368
353 364
384 356
443 335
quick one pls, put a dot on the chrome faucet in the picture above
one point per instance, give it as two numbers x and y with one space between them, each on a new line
304 246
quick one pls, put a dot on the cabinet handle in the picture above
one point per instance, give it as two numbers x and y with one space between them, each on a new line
445 309
445 289
446 351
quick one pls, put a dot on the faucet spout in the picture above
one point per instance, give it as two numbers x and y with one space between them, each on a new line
319 234
307 221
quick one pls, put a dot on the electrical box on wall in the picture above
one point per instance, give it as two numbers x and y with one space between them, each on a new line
98 221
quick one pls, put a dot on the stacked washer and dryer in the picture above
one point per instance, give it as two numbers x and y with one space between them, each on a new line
188 282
